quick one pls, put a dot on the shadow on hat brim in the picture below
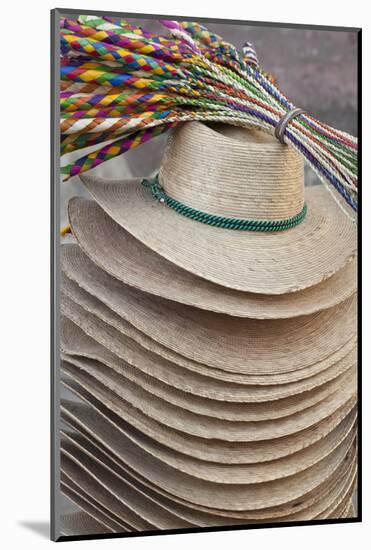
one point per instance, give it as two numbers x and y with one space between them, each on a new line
262 263
117 252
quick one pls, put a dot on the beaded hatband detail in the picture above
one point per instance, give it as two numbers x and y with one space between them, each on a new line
160 195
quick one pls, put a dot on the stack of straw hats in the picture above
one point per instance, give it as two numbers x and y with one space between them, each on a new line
214 368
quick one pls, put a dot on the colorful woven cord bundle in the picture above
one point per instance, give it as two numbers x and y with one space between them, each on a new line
122 86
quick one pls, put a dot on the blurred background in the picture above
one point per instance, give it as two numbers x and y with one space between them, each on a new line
316 69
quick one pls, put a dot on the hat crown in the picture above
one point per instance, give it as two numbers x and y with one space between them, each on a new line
233 172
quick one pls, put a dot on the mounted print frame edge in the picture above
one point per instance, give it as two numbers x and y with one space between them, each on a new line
56 535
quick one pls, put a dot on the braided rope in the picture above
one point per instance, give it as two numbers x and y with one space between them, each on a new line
239 224
121 82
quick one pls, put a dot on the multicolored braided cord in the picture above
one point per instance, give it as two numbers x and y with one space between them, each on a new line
122 85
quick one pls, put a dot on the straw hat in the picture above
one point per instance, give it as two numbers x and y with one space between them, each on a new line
235 473
190 426
117 252
76 493
121 375
89 481
339 507
251 426
91 507
214 369
323 505
198 514
223 342
110 330
334 491
234 497
134 424
89 469
234 173
75 343
118 494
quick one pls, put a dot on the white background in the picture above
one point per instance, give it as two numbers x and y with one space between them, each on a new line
25 264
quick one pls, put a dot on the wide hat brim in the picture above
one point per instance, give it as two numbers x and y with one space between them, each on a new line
98 518
114 333
110 437
116 251
231 474
253 477
315 506
247 346
197 422
98 482
263 263
77 343
82 349
95 427
206 448
236 497
150 434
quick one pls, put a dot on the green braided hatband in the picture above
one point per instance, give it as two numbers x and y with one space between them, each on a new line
220 221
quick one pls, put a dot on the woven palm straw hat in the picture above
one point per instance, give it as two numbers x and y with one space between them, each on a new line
196 337
97 346
250 496
228 172
154 437
139 403
113 249
209 366
107 436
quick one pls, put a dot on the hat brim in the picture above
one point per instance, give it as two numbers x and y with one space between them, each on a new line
215 450
324 502
76 342
245 473
262 263
196 421
339 507
199 426
236 497
98 483
148 433
232 411
95 427
99 322
124 257
246 346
